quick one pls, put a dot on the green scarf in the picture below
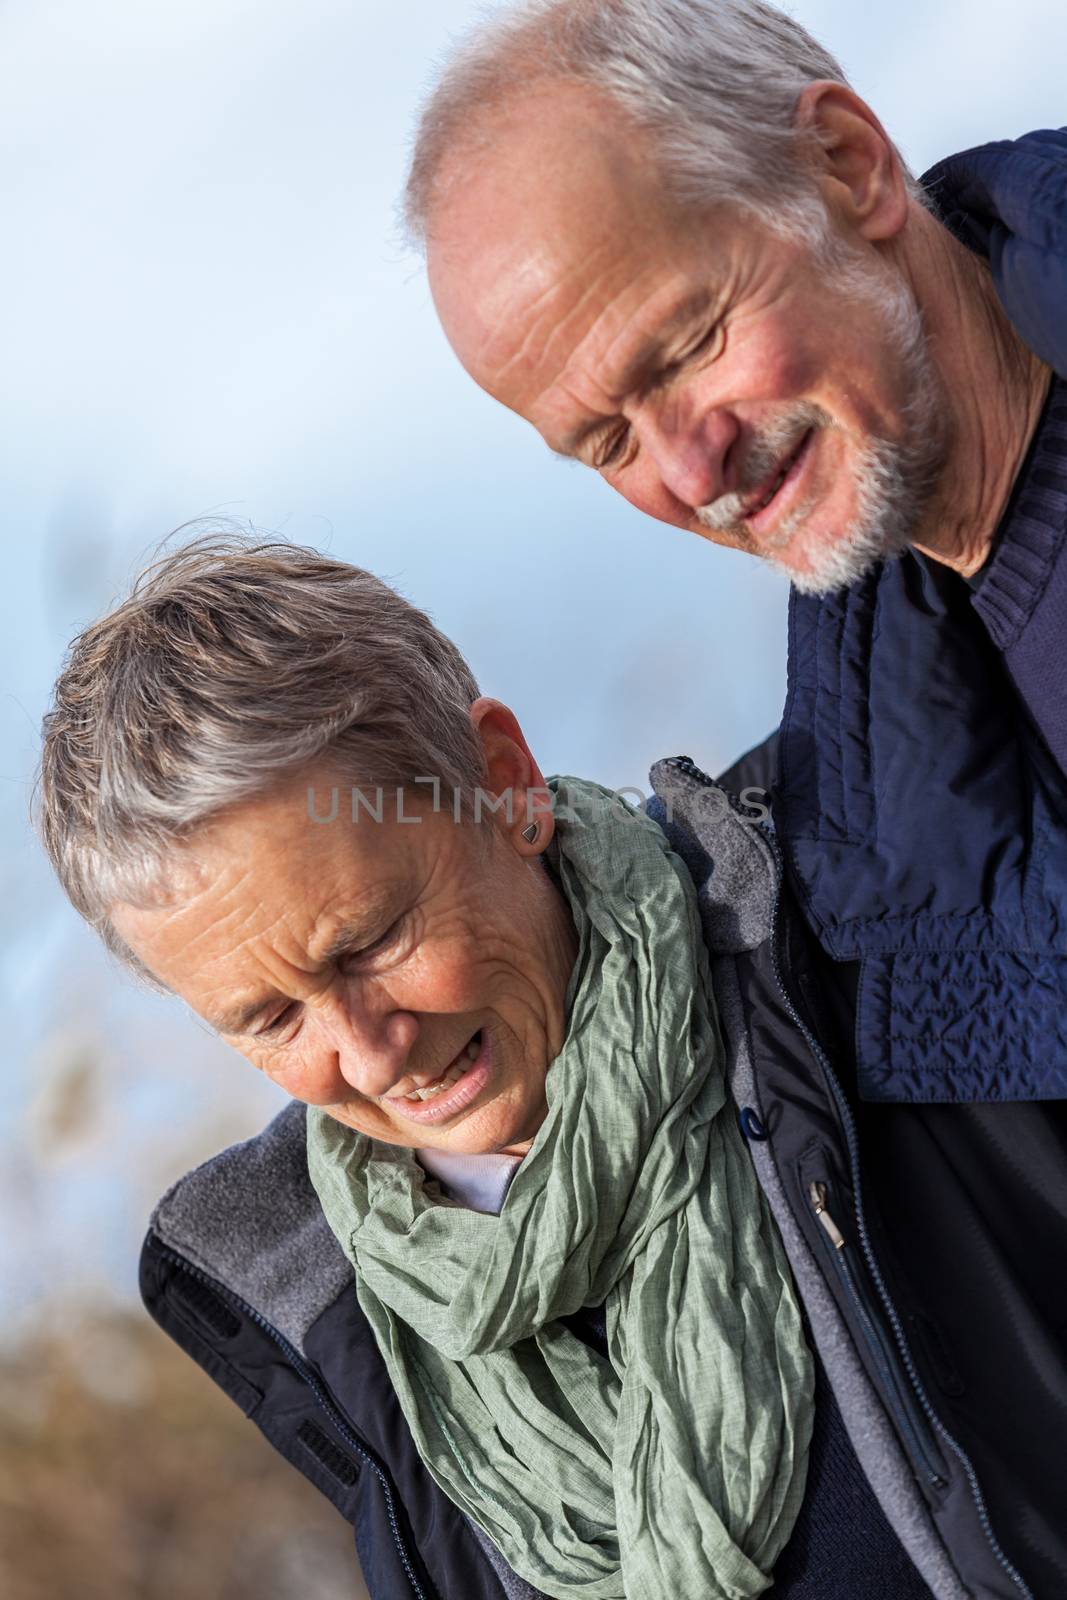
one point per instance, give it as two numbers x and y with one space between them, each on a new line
674 1470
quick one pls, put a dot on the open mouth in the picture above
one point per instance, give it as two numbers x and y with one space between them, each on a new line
786 475
454 1088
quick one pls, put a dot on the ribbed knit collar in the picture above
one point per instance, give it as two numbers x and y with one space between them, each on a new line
1032 530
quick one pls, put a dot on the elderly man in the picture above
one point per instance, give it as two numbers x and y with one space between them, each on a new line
671 236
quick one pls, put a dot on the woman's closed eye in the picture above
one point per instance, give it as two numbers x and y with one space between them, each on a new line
354 960
284 1025
273 1030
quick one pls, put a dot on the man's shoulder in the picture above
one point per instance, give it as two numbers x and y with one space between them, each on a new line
1007 201
756 769
974 188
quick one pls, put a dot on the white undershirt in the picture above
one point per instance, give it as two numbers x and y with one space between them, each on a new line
480 1182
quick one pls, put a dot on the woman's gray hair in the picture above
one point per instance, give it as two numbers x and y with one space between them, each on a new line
714 82
232 666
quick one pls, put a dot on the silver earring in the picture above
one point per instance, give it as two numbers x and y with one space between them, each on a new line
530 833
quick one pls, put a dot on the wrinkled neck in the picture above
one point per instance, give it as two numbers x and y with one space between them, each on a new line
994 389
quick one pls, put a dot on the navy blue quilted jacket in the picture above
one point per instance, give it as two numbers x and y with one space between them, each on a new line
921 794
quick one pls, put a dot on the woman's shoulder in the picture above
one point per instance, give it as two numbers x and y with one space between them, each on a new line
724 841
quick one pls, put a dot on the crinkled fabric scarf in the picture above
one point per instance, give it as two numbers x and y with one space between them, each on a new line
674 1470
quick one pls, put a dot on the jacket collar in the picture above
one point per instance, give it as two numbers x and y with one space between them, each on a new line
1007 201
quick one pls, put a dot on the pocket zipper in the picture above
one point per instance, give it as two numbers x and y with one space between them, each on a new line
910 1419
817 1195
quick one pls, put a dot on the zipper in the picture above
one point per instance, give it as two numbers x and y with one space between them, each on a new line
848 1124
911 1421
852 1141
817 1195
300 1366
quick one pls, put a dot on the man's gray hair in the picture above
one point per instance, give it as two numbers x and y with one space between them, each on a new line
232 666
714 82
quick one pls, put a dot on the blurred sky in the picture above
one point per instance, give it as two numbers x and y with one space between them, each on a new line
206 312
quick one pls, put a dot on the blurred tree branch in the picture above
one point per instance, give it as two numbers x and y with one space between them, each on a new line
126 1475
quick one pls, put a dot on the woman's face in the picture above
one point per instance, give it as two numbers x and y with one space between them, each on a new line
356 961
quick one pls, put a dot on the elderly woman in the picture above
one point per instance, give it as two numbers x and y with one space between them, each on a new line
273 787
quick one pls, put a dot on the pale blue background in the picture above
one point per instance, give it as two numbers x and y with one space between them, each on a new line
206 312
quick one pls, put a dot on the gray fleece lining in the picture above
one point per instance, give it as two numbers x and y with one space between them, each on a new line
872 1436
728 858
250 1218
514 1587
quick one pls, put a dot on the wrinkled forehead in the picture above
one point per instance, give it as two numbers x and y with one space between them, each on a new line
279 874
546 155
536 229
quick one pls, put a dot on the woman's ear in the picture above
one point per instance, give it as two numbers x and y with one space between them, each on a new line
518 798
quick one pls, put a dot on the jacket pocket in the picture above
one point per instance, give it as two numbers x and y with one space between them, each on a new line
847 1268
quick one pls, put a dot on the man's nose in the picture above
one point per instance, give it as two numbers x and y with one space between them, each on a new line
373 1048
689 446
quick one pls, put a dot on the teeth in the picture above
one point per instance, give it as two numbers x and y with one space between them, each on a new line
442 1082
774 490
452 1075
779 480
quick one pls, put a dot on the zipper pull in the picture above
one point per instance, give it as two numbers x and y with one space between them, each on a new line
817 1192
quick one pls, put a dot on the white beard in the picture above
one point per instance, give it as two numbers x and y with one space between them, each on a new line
895 480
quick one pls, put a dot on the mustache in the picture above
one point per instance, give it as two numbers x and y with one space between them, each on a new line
767 451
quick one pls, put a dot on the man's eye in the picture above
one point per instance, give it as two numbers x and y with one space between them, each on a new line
611 452
709 344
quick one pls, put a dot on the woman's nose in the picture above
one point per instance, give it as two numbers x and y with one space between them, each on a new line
373 1051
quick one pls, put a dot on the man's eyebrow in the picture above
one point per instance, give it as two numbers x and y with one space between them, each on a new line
687 310
352 936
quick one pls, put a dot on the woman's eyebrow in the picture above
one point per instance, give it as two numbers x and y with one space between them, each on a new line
240 1021
352 936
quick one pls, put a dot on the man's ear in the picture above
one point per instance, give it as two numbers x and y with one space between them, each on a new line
859 172
523 803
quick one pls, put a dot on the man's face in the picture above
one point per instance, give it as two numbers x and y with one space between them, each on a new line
714 374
